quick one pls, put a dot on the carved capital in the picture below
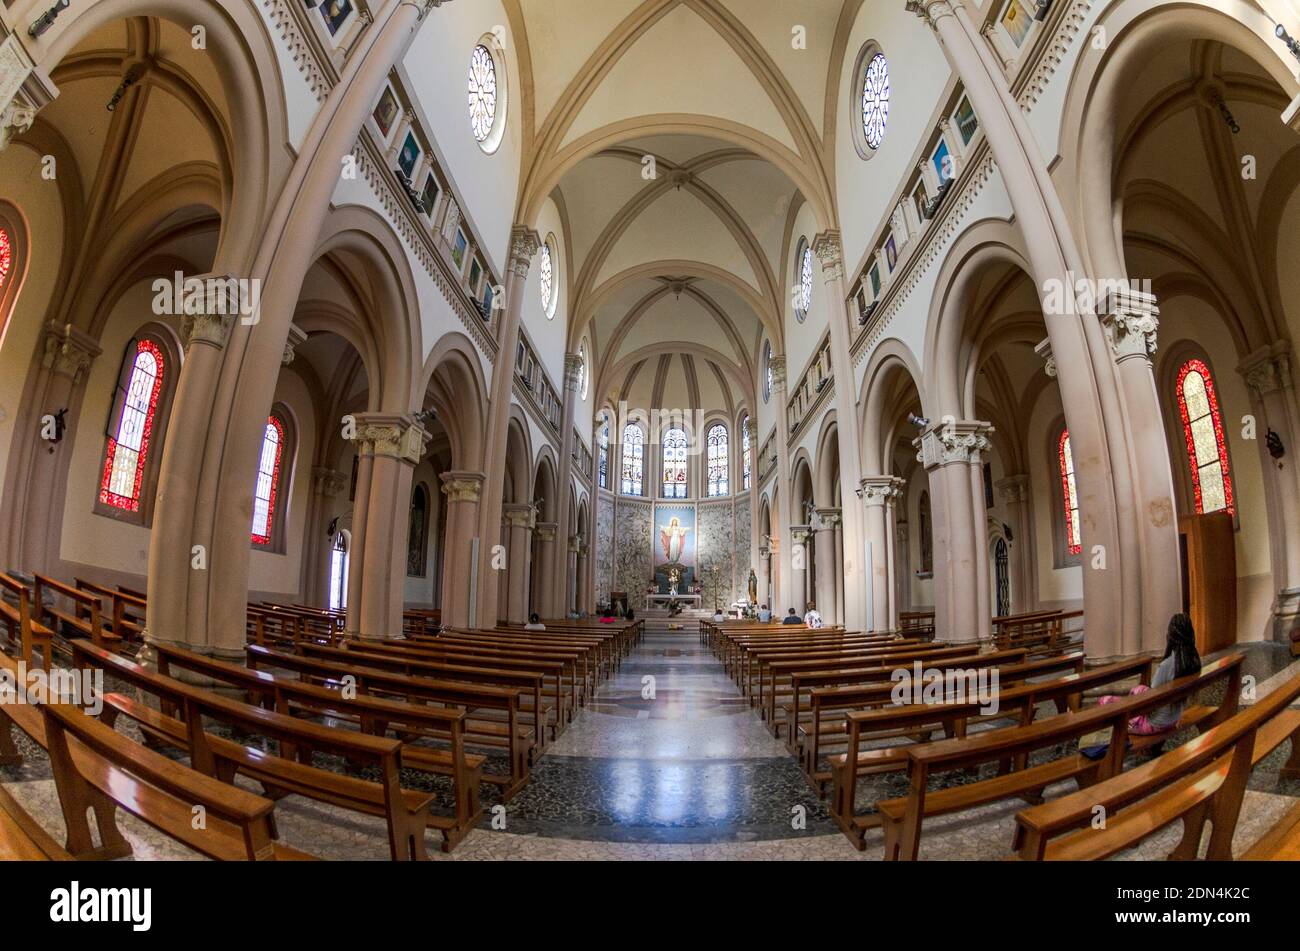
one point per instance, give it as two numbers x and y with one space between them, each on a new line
1268 369
830 251
827 519
876 490
576 545
24 90
1044 351
297 336
800 534
1131 320
518 515
328 482
546 532
959 442
572 370
69 352
1014 489
778 373
931 11
462 486
524 245
390 436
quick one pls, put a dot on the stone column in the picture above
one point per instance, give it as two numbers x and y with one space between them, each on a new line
1024 583
561 585
827 246
1090 391
1130 320
1268 374
953 454
875 491
462 491
892 501
395 445
524 244
573 586
826 525
546 535
784 589
519 519
798 589
327 484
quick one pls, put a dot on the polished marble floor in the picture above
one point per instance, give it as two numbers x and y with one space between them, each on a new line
667 762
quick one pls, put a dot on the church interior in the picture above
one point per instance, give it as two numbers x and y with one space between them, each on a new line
649 429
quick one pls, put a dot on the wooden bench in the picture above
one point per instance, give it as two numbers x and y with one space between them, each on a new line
1020 703
503 732
85 617
1202 780
22 839
404 811
26 633
902 818
1282 842
128 610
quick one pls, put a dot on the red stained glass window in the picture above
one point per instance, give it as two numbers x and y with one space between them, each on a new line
1207 450
6 257
1069 494
268 481
128 448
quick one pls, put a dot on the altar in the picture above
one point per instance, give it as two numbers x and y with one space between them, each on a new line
664 600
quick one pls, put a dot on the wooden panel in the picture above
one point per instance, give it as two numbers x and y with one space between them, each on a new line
1211 591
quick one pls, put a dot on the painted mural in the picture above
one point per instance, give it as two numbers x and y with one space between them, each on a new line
716 553
675 543
632 547
604 547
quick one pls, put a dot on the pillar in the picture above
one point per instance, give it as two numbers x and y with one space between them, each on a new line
546 536
561 585
784 590
825 527
461 491
1024 581
875 490
518 518
327 485
893 498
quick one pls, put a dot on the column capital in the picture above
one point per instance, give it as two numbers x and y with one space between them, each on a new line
1014 489
827 519
830 251
519 515
546 532
576 544
25 90
69 352
297 337
572 370
462 485
1044 351
1131 319
799 534
777 365
328 482
876 490
955 442
1268 369
524 245
390 435
930 10
207 304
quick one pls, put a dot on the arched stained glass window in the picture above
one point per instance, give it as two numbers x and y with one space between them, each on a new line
584 378
6 257
339 572
482 93
769 378
675 464
268 481
546 277
128 445
719 460
1069 494
633 460
1207 449
927 533
602 457
746 453
875 100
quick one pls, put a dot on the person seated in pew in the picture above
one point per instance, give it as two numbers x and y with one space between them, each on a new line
607 616
792 618
718 616
534 623
1181 660
812 618
764 614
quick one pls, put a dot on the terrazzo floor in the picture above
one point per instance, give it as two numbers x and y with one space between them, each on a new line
667 762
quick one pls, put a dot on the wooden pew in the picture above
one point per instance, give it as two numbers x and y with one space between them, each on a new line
902 818
505 732
97 770
22 839
1282 842
26 633
404 811
127 611
1202 780
1019 703
85 617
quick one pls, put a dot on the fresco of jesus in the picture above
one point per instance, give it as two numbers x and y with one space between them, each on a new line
673 538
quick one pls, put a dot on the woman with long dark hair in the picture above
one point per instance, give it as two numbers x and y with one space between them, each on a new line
1181 660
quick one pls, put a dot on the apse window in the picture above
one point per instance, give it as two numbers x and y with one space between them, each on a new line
1207 450
875 101
1069 494
546 278
266 490
486 97
804 281
746 453
675 448
633 481
719 461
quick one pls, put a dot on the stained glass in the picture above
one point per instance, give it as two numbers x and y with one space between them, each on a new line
675 464
805 283
746 455
602 442
1069 495
482 93
268 481
1207 450
547 277
633 460
128 450
719 452
875 100
6 257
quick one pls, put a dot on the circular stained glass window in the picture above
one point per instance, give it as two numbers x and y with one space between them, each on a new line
482 93
875 100
805 283
546 275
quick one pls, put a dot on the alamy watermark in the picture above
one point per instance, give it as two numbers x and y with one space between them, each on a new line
1081 295
934 685
35 686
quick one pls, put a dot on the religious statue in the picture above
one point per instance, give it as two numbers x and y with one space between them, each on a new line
673 539
674 578
753 587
